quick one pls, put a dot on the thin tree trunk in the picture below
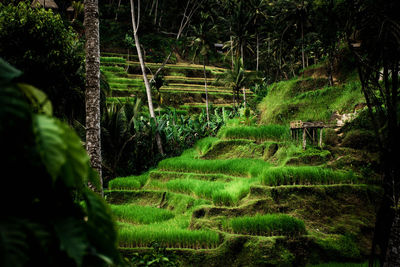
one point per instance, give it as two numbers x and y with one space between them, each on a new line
152 7
302 45
92 86
231 50
244 97
258 52
330 71
205 87
143 67
187 15
307 63
234 100
155 13
242 52
116 12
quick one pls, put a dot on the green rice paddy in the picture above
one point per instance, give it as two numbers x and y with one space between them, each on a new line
130 182
169 237
140 214
260 133
205 200
269 224
305 175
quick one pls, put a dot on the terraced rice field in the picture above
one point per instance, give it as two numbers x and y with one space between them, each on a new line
228 201
183 88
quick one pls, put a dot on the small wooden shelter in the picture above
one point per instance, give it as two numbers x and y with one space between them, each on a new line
44 3
307 129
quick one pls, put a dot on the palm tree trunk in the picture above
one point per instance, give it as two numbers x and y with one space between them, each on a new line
143 67
205 87
92 86
393 251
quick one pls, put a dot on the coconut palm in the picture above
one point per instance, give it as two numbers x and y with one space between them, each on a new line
238 20
92 86
202 41
257 8
237 79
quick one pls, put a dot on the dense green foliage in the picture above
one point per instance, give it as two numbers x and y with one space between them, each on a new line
291 59
157 257
48 52
128 136
54 219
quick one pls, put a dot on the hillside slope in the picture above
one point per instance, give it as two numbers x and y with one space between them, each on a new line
182 88
309 99
249 197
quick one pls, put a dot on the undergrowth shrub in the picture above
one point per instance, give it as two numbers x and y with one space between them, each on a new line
48 52
330 137
159 255
360 139
269 225
340 246
128 136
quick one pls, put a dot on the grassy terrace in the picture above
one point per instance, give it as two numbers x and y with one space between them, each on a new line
248 187
269 225
122 62
178 79
188 90
140 214
261 133
203 205
199 89
170 237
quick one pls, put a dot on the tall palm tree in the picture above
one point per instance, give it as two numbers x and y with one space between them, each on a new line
257 8
92 85
202 41
238 22
237 79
